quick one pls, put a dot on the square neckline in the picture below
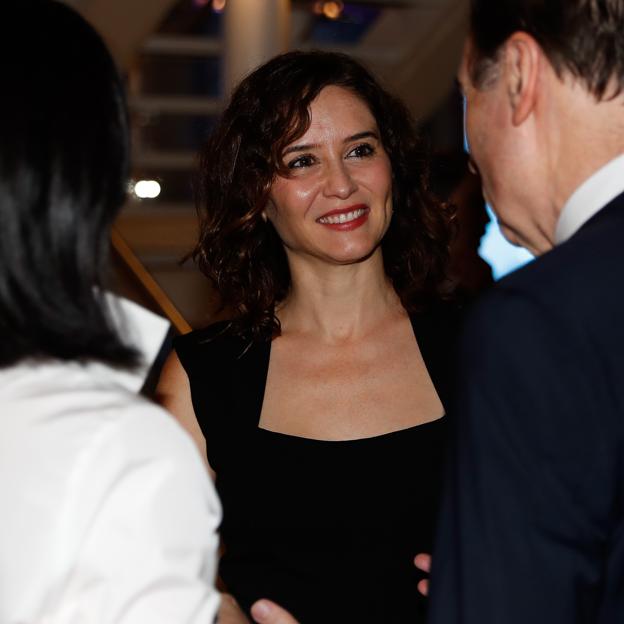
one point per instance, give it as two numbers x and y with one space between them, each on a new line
417 333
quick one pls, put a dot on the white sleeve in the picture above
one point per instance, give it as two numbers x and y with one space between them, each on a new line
147 515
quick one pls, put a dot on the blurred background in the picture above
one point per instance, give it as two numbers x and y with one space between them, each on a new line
181 59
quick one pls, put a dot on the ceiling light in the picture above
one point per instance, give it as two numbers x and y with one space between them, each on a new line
146 189
330 10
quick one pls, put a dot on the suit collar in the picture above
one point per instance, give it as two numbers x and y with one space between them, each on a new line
606 215
590 197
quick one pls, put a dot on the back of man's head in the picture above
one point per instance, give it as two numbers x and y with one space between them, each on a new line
582 37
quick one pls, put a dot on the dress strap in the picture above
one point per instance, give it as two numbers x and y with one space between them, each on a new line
227 375
248 378
437 332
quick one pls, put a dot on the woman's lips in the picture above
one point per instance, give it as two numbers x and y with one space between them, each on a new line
346 219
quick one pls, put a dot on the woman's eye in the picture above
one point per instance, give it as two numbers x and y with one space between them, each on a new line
306 160
361 151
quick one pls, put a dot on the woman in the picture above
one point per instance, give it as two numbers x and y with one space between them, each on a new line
107 513
320 402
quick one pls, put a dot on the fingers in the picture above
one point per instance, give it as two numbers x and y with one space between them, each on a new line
230 612
267 612
423 562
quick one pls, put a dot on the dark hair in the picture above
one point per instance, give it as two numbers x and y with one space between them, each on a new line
241 253
584 37
63 177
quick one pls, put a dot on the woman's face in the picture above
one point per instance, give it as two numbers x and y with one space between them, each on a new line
336 203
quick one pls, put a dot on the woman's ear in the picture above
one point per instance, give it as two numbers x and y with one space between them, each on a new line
268 210
523 56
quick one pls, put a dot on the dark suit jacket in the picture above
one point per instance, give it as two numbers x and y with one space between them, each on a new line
532 527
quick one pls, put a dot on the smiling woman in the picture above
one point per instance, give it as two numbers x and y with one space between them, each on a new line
319 403
336 203
248 154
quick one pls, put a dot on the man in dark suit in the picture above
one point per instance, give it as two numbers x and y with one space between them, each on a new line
532 528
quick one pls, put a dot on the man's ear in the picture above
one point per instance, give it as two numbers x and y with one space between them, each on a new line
523 56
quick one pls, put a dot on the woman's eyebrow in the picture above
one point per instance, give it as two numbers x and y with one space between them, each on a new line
308 146
362 135
300 148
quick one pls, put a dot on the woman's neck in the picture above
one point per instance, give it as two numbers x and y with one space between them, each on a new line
339 303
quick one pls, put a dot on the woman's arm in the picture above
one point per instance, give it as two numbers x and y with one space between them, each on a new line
173 392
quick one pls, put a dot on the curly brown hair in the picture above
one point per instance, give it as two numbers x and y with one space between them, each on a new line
242 254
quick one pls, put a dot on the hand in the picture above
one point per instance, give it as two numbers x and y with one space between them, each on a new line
230 612
267 612
423 562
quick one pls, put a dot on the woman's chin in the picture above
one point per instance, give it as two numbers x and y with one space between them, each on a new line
353 255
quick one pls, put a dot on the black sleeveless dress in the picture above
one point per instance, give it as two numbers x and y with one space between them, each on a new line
327 529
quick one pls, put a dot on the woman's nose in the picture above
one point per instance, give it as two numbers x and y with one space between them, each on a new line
338 181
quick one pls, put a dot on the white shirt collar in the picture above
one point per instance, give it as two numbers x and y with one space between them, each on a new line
593 195
138 328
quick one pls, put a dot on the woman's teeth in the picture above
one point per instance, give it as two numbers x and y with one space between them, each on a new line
343 217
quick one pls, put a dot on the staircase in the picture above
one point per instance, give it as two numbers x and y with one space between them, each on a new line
174 94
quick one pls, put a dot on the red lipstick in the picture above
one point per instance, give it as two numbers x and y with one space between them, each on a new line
345 219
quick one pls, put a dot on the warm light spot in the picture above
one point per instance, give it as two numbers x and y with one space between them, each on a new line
146 189
318 7
332 10
218 5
